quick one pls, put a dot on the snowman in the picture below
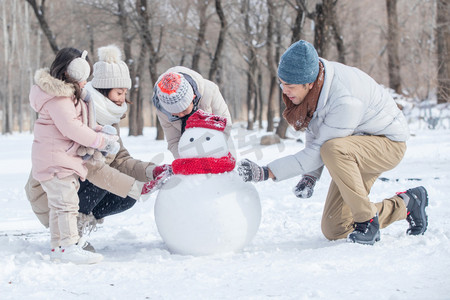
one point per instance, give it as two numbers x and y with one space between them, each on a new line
205 207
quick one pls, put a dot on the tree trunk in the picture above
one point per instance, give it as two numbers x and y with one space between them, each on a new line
259 100
202 5
334 26
39 11
320 31
271 67
127 41
215 63
154 57
443 50
252 65
392 47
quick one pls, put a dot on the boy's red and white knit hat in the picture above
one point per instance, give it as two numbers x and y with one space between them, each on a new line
201 119
174 92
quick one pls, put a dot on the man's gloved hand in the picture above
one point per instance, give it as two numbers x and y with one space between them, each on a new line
250 171
305 187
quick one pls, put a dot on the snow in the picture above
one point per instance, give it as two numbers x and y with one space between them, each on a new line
288 258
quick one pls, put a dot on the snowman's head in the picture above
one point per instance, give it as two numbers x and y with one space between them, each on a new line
204 136
202 142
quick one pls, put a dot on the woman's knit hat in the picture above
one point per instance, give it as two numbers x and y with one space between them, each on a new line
299 64
110 71
174 92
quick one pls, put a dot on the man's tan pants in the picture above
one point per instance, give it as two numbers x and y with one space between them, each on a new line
354 163
63 203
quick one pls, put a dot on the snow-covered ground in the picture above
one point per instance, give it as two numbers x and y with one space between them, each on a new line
288 259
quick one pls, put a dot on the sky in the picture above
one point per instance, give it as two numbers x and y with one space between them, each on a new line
288 258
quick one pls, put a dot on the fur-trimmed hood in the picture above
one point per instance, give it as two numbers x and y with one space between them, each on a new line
47 87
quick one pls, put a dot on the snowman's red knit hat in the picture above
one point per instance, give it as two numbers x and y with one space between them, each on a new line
201 119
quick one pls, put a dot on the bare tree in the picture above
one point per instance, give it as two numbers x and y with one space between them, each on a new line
215 63
202 6
154 51
327 25
9 47
273 78
443 50
392 47
39 11
135 120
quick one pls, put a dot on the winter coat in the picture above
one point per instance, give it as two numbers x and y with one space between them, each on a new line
119 171
211 101
350 103
59 130
116 175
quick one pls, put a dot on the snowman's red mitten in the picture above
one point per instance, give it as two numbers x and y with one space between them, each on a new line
155 184
250 171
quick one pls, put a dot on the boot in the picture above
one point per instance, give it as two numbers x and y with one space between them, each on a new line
366 233
417 199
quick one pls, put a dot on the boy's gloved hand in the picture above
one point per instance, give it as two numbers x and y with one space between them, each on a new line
305 187
250 171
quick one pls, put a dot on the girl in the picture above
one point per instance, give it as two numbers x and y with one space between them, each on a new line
58 132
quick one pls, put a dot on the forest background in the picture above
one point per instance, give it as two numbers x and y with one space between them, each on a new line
402 44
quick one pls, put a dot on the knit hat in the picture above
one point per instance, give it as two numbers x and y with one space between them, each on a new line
79 69
299 64
174 92
110 71
201 119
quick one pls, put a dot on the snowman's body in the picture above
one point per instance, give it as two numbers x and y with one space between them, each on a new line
206 211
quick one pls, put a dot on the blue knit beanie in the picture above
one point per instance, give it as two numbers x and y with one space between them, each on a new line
299 64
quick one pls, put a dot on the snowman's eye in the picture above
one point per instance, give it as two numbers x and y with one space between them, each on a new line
191 139
208 138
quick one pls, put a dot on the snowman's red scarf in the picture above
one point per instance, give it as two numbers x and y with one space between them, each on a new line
203 165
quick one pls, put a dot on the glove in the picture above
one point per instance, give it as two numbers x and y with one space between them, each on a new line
109 144
87 152
305 187
159 169
155 184
108 129
250 171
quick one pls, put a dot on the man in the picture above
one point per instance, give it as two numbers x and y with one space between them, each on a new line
178 93
354 128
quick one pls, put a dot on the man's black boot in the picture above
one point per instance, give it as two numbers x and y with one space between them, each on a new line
417 199
366 232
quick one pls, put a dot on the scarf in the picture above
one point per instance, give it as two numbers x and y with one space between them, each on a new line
299 116
107 112
203 165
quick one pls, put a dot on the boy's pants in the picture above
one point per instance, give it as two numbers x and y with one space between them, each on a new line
63 203
354 163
